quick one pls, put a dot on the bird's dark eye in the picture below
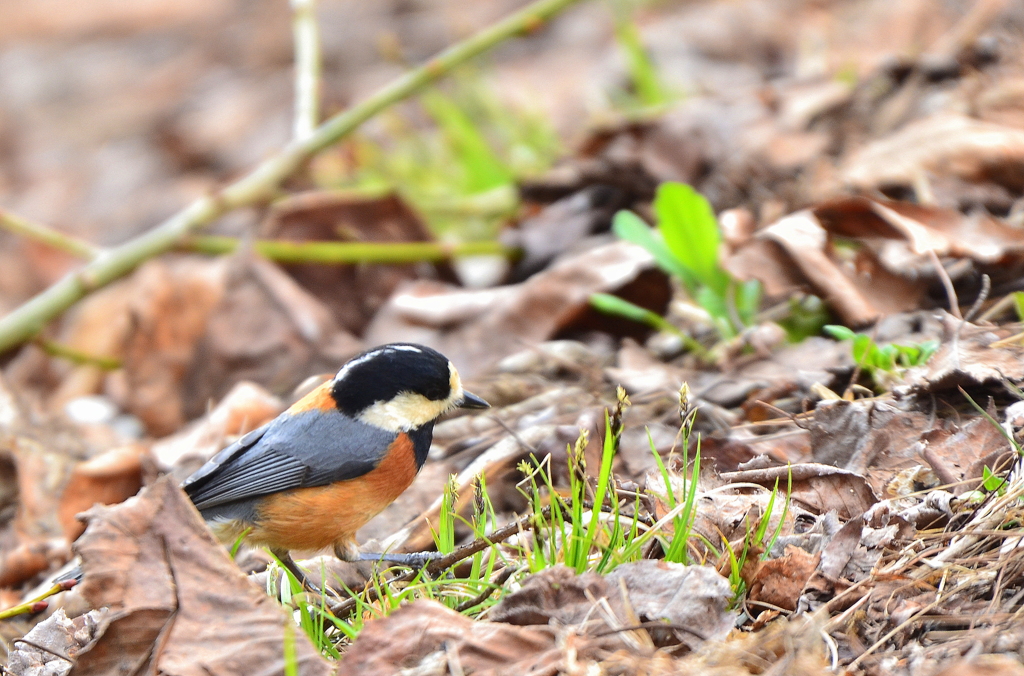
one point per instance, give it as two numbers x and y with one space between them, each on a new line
384 373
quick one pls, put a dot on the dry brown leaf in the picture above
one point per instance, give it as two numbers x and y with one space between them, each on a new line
695 597
957 452
170 302
52 645
177 603
969 356
107 479
858 292
922 227
692 597
871 438
31 558
268 329
479 328
819 488
353 293
941 144
561 226
426 632
556 594
243 409
779 582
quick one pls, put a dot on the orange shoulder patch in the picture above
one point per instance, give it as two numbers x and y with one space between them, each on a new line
319 399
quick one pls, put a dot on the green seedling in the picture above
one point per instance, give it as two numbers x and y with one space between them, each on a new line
883 361
992 483
1018 304
312 617
648 90
444 536
459 172
291 660
685 245
806 317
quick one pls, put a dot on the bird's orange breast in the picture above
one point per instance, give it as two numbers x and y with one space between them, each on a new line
315 518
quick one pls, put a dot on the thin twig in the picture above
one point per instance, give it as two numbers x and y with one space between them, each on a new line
38 604
307 68
341 253
41 233
502 578
947 284
77 357
986 287
259 185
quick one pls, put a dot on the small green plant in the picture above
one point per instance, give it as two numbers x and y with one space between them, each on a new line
883 362
685 245
677 549
312 617
648 90
1018 304
806 317
459 170
594 528
991 482
591 525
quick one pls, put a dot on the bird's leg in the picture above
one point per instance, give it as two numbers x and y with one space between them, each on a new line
347 551
413 560
288 562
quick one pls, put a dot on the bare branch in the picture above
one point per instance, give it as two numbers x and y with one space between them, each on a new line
307 68
259 185
46 235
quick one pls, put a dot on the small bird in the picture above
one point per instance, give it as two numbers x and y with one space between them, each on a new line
313 476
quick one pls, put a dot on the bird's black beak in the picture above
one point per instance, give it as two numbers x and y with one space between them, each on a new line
470 400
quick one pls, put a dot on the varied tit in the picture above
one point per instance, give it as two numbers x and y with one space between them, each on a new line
313 476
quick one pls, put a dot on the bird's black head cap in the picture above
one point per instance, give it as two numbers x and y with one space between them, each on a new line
381 374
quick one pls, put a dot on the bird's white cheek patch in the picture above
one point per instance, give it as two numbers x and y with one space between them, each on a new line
404 412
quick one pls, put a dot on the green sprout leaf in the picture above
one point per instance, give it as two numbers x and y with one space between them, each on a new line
614 305
690 229
631 228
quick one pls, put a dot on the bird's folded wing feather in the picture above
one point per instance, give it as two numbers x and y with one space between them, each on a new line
299 451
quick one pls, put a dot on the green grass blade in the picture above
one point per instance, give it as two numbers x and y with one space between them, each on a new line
483 169
646 82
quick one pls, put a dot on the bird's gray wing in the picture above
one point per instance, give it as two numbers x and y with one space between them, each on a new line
307 449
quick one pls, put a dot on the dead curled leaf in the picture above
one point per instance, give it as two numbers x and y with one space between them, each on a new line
819 488
531 629
178 604
944 144
978 355
947 232
426 632
481 326
106 479
50 648
780 581
692 597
